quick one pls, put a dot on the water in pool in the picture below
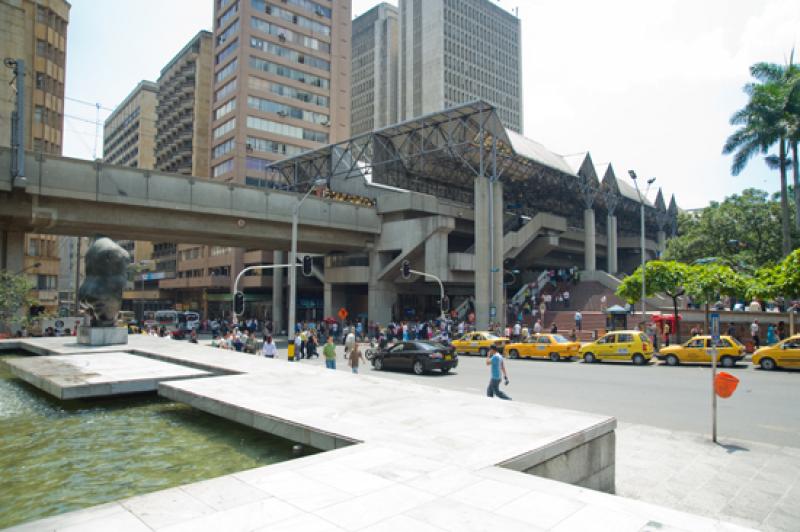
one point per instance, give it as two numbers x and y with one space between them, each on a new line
57 456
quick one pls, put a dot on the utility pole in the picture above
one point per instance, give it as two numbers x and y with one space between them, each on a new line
18 119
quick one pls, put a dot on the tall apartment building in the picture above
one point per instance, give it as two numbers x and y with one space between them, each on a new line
184 110
456 51
36 33
281 82
375 44
129 133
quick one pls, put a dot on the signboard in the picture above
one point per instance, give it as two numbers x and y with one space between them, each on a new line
342 314
714 324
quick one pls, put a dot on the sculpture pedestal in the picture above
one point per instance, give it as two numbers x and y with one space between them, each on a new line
102 335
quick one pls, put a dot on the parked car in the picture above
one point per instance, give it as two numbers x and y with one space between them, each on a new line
552 346
478 342
419 356
784 354
698 349
632 346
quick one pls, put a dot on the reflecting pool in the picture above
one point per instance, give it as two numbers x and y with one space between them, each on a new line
57 456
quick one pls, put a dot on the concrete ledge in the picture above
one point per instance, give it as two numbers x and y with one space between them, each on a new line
590 465
99 336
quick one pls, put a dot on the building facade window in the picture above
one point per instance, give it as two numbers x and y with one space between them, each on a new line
290 73
286 130
268 106
223 148
287 35
223 168
272 146
227 52
228 15
292 55
225 128
227 70
223 37
225 91
279 12
225 109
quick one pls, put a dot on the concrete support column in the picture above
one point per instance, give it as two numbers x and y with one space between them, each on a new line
612 244
12 251
327 300
661 238
498 286
436 255
382 295
278 276
589 252
482 260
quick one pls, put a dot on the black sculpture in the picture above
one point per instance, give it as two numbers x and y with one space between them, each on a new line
100 294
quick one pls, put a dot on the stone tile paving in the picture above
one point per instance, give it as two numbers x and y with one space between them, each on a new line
748 483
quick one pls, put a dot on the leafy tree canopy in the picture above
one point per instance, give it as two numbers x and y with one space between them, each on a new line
14 297
666 277
707 282
743 231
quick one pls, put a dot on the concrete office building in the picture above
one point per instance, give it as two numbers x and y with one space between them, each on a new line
375 69
129 133
458 51
281 82
281 86
36 33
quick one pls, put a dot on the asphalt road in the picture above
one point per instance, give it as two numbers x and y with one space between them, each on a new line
765 407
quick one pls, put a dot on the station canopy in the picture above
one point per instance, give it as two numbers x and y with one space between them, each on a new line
441 154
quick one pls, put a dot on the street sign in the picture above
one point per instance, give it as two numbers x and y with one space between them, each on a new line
342 314
714 320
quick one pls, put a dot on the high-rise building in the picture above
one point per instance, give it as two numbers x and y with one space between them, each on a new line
375 69
129 132
457 51
184 110
36 33
281 82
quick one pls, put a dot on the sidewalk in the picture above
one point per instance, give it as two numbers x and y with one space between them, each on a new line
747 483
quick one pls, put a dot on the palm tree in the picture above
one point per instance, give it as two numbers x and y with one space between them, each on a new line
766 119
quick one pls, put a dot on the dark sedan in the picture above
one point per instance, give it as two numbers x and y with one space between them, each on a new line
418 356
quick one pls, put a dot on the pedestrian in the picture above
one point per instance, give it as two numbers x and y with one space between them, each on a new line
542 308
297 342
603 303
498 369
537 327
754 330
517 331
781 330
667 331
349 342
566 298
554 328
578 320
269 349
573 335
329 352
355 356
772 338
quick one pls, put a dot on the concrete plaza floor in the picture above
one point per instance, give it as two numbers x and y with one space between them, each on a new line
415 480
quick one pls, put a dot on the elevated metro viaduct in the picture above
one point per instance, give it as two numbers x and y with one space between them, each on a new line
454 193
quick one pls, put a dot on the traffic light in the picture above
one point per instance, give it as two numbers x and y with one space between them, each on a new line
445 304
307 265
238 303
405 270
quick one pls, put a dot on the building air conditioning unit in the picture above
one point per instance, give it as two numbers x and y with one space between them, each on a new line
282 113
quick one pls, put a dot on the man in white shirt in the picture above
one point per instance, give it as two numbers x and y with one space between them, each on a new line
349 342
517 331
269 349
754 332
537 327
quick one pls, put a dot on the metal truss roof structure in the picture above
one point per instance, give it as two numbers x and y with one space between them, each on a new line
441 154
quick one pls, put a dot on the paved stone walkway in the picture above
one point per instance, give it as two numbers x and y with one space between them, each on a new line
752 484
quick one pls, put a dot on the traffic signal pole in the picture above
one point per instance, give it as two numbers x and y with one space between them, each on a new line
406 272
305 265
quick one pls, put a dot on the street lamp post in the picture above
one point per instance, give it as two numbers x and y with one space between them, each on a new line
644 256
293 257
25 269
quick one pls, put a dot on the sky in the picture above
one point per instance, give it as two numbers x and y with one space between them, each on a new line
644 85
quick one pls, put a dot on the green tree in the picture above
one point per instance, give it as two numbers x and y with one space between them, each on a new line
14 297
706 283
665 277
743 231
768 118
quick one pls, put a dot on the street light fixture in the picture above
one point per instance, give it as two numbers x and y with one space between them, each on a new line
32 266
644 255
293 256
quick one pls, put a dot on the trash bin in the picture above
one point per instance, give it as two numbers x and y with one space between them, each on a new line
291 351
725 384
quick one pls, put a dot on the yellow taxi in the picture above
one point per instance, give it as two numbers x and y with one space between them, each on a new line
698 349
478 342
552 346
784 354
632 346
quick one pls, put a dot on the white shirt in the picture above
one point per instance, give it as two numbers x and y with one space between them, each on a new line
537 328
754 329
269 349
578 316
517 329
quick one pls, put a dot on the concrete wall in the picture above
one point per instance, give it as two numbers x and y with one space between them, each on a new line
589 465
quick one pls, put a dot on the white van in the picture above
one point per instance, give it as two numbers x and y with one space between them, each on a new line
174 320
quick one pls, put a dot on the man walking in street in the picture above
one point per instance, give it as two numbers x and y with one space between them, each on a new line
355 356
498 370
754 332
329 351
578 320
349 342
